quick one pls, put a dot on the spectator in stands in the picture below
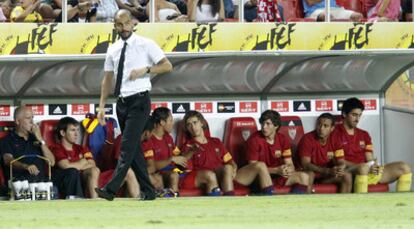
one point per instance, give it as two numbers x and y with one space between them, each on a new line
359 153
106 10
250 10
5 10
81 11
74 162
267 11
161 154
322 157
205 10
167 12
407 10
24 141
51 10
315 9
27 11
382 10
212 163
137 10
273 148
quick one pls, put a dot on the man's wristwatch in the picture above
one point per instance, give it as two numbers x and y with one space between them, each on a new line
148 70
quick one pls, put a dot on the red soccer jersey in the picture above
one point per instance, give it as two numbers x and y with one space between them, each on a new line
209 156
147 150
78 152
161 149
320 155
355 145
258 149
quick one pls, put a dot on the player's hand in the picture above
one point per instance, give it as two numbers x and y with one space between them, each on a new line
285 170
101 116
339 170
136 73
374 169
180 160
36 132
32 169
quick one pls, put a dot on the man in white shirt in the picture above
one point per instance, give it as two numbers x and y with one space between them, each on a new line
131 59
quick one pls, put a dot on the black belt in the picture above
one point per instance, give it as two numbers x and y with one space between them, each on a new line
132 97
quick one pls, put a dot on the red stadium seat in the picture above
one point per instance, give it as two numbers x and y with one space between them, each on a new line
378 188
47 129
293 129
325 188
282 189
182 135
293 11
236 132
190 192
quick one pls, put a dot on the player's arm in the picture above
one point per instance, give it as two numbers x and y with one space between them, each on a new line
163 66
151 166
66 164
32 169
308 165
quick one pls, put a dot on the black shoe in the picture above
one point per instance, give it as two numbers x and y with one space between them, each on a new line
145 196
103 193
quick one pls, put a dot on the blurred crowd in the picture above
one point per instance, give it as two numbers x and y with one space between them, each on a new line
201 11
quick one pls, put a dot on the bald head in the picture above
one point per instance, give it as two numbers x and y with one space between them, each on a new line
122 14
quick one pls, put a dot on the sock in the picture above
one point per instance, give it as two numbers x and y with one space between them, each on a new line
299 189
229 193
404 183
268 190
215 192
361 184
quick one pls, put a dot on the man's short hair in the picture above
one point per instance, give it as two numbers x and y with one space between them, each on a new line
63 124
274 117
350 104
18 112
327 116
161 114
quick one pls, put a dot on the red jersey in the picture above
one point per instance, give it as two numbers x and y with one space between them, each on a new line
161 149
258 149
209 156
267 11
355 146
320 155
78 152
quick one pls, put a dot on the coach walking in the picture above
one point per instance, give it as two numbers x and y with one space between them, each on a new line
131 59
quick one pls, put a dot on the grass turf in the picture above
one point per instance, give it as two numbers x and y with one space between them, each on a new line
385 210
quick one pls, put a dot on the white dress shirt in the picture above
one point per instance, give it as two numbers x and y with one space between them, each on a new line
140 53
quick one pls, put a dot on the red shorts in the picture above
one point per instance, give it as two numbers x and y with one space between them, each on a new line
188 181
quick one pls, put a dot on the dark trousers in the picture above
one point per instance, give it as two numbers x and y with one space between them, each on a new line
132 113
68 181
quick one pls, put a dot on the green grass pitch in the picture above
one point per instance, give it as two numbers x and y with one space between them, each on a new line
385 210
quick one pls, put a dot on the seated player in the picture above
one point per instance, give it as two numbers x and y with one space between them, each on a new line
273 148
74 162
322 158
213 164
359 156
161 153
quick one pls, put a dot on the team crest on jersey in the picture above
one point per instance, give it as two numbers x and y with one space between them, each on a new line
362 144
217 151
278 153
330 155
169 145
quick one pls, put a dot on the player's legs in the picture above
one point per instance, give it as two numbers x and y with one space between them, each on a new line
248 173
400 171
91 176
207 178
132 184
